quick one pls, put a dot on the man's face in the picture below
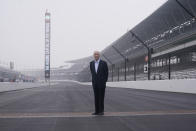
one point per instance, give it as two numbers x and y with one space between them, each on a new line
96 55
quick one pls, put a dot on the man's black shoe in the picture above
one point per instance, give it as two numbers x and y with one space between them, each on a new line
101 113
95 113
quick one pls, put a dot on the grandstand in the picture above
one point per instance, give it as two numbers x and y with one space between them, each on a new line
72 72
168 35
8 75
69 70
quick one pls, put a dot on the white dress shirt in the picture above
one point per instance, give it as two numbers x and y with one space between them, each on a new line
96 64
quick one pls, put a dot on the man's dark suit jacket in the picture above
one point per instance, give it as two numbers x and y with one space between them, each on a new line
100 78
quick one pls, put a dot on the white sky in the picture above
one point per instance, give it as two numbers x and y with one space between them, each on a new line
78 27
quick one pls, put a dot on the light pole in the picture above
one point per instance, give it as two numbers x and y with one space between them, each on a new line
125 58
150 50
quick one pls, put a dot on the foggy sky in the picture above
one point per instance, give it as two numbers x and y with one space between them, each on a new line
78 27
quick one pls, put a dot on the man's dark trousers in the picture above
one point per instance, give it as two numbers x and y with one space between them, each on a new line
99 94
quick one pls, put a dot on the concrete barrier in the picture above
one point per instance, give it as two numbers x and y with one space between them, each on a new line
183 85
12 86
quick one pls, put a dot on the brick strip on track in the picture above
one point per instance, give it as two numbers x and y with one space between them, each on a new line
87 114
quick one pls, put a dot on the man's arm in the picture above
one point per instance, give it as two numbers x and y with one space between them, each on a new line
106 71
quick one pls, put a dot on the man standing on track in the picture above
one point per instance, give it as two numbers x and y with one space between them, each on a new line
99 72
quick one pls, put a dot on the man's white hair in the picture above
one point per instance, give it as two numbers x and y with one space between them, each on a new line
96 51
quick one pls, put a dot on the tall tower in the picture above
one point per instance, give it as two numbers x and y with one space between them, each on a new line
47 46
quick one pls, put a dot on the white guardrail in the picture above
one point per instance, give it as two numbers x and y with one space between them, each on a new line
183 85
10 86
